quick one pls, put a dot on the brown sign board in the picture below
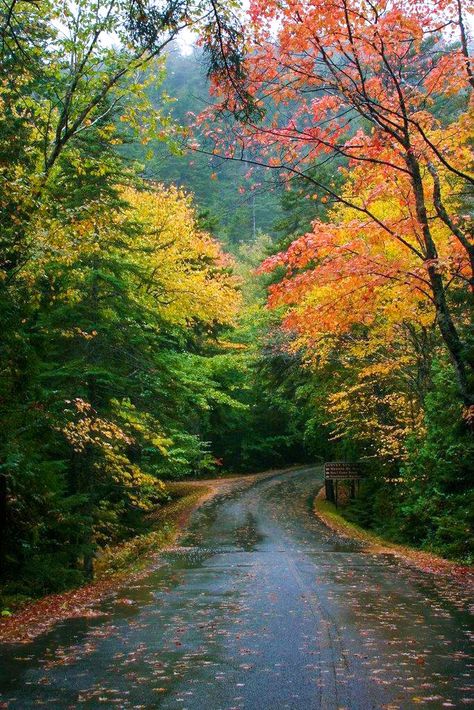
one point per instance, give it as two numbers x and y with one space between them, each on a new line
342 471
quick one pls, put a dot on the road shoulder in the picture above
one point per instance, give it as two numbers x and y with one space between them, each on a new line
328 514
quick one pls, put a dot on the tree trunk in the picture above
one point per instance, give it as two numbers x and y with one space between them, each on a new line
3 520
89 456
446 324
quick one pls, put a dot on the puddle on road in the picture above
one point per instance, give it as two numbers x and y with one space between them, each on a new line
248 536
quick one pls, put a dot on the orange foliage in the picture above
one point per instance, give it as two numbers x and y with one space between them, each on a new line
358 83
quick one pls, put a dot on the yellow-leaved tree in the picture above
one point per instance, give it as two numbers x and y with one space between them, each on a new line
128 302
181 271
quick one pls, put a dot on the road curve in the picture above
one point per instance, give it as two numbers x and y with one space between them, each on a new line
261 608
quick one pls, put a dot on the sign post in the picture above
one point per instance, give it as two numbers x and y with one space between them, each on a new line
335 471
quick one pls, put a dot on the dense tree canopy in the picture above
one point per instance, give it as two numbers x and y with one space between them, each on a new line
117 370
135 350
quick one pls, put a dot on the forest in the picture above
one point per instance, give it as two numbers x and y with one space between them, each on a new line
240 252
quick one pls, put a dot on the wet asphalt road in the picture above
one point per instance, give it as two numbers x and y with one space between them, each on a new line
261 608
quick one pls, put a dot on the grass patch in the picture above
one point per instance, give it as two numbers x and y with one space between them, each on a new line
330 515
419 559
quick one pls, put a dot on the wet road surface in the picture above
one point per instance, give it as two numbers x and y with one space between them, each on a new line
261 608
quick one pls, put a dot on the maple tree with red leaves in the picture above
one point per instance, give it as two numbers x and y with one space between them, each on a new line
354 84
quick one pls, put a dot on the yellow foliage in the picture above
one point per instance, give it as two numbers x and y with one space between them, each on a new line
187 277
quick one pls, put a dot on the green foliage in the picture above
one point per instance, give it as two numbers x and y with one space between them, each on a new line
299 208
240 207
430 504
438 503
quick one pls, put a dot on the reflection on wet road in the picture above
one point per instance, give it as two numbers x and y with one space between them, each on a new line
261 608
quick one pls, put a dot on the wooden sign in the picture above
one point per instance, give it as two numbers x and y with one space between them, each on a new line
342 471
335 471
